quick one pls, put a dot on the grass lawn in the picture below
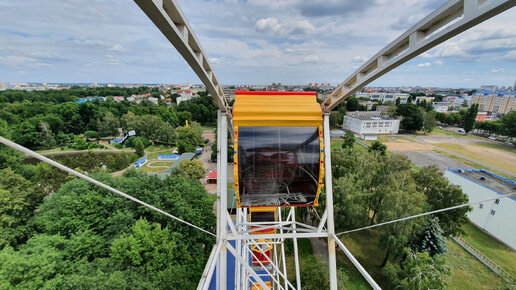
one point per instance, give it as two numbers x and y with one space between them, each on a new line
162 163
498 146
494 250
158 148
438 131
364 246
150 169
59 149
493 160
475 165
466 272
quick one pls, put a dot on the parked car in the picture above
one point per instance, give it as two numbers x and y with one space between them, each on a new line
492 138
460 131
509 143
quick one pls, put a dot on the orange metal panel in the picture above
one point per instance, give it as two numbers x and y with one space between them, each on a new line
276 109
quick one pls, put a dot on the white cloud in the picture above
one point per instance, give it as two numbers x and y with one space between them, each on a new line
117 47
292 28
311 58
425 64
497 70
360 59
253 41
268 25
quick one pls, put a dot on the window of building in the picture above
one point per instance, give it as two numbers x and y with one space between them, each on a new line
375 124
481 206
493 212
380 124
368 124
497 201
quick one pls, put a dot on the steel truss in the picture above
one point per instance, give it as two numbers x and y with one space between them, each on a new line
452 18
234 235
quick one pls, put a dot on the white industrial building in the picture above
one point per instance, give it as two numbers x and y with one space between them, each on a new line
498 216
441 107
367 125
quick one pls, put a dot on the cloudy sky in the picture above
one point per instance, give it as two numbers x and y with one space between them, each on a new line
248 42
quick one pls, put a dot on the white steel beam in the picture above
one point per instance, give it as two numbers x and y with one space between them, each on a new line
296 252
205 281
332 258
170 20
246 266
452 18
314 234
222 184
357 264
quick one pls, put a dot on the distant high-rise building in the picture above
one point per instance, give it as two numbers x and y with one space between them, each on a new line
494 102
489 88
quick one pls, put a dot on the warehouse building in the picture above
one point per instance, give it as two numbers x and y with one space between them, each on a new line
367 125
497 216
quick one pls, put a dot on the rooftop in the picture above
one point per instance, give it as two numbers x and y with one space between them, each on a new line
373 118
490 180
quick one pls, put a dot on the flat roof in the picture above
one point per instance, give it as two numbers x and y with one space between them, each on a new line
488 179
373 118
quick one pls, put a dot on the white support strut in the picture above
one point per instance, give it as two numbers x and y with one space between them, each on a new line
330 225
452 18
170 20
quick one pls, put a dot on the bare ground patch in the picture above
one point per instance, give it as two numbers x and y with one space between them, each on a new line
407 146
498 158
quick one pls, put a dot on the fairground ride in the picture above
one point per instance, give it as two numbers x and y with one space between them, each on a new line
282 151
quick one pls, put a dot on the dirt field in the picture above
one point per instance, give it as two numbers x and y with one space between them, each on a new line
495 157
407 146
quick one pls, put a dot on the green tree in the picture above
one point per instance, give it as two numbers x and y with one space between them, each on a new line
18 200
147 245
412 117
188 138
335 119
48 139
430 239
109 125
35 265
91 135
440 193
349 140
150 127
379 147
314 274
399 198
470 118
352 104
508 124
417 271
190 169
429 122
140 149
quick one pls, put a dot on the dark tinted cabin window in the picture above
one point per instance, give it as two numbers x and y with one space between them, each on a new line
278 165
259 217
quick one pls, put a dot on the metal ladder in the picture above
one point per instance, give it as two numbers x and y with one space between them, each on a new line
484 260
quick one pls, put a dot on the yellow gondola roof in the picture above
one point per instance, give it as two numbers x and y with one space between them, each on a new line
283 109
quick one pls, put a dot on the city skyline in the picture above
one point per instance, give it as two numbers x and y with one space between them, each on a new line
252 42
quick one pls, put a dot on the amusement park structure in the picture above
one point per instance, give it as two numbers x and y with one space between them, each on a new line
282 156
282 149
